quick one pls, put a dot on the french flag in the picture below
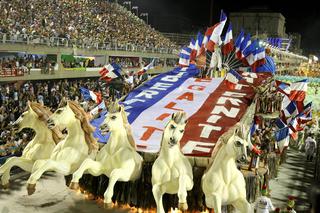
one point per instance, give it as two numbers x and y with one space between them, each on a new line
146 68
303 119
298 90
99 108
305 116
90 95
110 71
206 38
294 126
192 46
279 123
249 53
232 79
307 108
282 134
215 36
184 57
228 41
282 87
199 43
291 109
244 44
237 44
259 58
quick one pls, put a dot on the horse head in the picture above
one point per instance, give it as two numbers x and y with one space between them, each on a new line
174 130
62 117
237 146
114 120
27 119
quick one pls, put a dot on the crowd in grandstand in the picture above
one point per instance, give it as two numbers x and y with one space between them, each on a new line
87 21
27 61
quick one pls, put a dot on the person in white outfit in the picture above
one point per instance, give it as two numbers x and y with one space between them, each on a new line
310 147
263 204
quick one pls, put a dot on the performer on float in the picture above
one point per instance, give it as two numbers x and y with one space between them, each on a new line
290 205
263 204
310 147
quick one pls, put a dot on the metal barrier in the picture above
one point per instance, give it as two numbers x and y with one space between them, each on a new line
11 72
72 43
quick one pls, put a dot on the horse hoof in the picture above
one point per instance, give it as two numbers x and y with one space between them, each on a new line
31 188
107 205
74 185
183 206
5 186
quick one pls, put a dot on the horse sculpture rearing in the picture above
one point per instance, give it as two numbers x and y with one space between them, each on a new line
40 147
223 183
172 172
117 159
68 155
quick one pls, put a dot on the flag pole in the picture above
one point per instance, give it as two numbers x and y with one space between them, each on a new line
230 58
235 64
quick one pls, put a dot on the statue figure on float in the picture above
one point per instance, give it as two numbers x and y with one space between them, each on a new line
39 148
172 172
222 182
118 159
68 155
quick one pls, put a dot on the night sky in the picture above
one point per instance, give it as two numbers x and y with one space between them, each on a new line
301 16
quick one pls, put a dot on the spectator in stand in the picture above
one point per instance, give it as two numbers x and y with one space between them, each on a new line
84 22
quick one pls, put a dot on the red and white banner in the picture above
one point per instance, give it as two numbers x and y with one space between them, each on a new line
212 109
211 106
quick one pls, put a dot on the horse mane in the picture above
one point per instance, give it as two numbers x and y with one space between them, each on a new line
114 107
179 117
44 113
88 129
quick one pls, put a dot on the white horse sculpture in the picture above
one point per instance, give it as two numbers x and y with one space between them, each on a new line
172 172
222 182
40 147
118 159
68 155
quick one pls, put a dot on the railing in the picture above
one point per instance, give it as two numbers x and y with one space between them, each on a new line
11 72
72 43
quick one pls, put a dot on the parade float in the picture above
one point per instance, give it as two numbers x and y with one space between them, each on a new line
183 139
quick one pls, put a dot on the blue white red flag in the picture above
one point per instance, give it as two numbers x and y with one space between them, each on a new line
281 134
90 95
282 87
237 44
232 79
199 43
146 68
244 44
110 71
298 90
184 57
217 31
228 45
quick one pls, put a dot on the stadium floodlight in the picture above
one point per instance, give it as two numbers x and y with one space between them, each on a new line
145 15
135 8
127 3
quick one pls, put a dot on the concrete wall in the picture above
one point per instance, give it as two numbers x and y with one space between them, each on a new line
63 73
272 24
